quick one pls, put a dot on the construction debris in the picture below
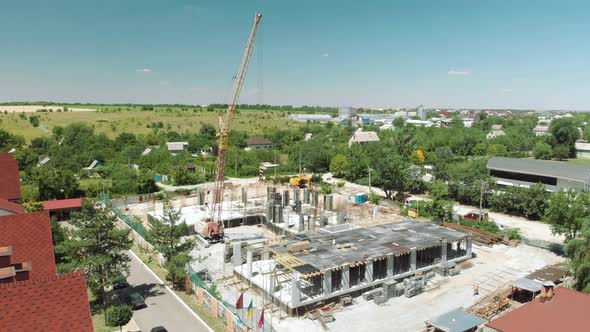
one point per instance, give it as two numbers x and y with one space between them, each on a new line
479 236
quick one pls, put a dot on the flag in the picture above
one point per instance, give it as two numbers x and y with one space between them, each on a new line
261 320
240 302
250 310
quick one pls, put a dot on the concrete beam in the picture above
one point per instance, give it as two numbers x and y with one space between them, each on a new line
249 263
327 282
237 254
389 265
295 290
369 271
346 277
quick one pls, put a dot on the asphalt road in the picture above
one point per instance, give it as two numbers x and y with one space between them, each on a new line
162 308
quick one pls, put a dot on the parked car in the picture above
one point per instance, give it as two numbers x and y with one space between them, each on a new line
474 215
120 284
136 300
159 329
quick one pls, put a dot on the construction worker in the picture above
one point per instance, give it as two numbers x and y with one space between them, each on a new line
475 289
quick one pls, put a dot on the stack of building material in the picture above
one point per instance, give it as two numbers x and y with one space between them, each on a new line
368 296
479 236
414 285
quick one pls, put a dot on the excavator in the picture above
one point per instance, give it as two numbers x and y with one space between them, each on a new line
211 228
301 181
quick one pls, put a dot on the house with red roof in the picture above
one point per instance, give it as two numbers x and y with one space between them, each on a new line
33 297
9 178
559 309
61 208
7 207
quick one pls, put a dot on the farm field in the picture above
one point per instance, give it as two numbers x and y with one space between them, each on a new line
113 120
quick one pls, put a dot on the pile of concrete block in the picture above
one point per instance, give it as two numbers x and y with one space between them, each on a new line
447 269
414 285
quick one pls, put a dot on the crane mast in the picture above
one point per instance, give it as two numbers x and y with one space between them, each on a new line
225 129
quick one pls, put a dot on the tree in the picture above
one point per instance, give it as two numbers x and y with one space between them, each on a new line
166 235
118 316
543 151
208 131
34 120
567 212
392 174
55 183
561 152
31 207
565 132
339 165
578 250
96 246
440 207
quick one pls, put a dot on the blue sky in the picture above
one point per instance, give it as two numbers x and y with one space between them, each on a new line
440 53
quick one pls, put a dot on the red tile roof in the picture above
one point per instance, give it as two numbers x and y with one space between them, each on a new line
566 311
59 303
62 204
30 237
10 206
9 178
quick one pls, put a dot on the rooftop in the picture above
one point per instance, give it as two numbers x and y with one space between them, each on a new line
174 146
58 303
10 206
258 140
566 311
365 136
365 243
554 169
30 237
9 177
456 321
62 204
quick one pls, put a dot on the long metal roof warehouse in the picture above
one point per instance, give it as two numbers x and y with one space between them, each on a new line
554 175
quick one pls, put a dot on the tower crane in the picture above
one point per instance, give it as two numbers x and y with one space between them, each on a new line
213 229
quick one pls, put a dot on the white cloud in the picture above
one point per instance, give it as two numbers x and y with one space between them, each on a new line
144 70
325 55
458 72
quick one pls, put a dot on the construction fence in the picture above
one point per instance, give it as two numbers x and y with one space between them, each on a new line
207 298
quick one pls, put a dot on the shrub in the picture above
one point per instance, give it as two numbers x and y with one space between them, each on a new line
374 197
514 234
340 183
118 315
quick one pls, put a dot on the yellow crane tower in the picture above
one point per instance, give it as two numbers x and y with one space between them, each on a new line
214 226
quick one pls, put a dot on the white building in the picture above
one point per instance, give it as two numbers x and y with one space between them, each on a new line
176 147
541 130
363 137
495 132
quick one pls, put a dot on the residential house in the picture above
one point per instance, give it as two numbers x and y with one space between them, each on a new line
9 178
146 152
259 143
93 165
541 130
7 207
176 147
496 131
43 161
363 137
62 208
34 297
555 309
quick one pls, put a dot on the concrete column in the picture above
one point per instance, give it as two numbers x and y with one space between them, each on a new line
346 277
341 218
244 196
271 284
306 195
249 263
286 197
316 198
413 260
369 271
295 290
278 214
443 257
237 254
266 255
301 223
327 282
296 195
389 265
468 242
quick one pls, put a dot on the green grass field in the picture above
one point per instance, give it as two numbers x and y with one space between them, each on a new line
113 120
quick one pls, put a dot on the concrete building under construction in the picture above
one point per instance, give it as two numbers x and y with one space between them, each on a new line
342 259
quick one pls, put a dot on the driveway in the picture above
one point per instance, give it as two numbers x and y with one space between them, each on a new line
162 308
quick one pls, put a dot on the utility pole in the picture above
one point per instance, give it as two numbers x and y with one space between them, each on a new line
370 170
482 189
299 159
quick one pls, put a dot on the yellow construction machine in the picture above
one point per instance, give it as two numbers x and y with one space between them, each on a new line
301 181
